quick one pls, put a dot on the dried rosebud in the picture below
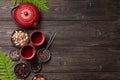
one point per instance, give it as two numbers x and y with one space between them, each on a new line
19 38
14 55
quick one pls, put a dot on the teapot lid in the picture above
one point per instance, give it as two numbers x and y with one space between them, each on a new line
25 14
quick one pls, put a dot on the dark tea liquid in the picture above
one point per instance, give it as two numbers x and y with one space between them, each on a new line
27 52
36 37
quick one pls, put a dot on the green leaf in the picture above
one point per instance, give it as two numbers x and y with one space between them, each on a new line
6 68
41 4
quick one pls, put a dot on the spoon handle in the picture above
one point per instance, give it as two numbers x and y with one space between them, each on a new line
52 37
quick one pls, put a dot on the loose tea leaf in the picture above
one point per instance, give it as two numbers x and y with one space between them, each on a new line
6 68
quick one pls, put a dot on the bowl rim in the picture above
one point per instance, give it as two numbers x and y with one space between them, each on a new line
28 69
38 74
18 54
34 51
27 41
48 52
40 64
43 38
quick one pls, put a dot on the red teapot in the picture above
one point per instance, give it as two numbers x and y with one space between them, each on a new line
26 15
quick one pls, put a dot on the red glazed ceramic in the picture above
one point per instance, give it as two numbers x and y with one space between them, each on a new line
28 52
37 38
26 15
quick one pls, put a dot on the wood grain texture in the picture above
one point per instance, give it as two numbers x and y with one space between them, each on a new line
72 10
81 59
82 76
72 33
87 45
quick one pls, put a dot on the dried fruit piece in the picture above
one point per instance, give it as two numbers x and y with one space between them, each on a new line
21 70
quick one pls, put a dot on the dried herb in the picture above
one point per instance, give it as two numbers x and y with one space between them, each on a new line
14 55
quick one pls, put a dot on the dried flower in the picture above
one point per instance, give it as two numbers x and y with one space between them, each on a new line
19 38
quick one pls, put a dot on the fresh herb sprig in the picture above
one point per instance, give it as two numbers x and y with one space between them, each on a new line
6 68
41 4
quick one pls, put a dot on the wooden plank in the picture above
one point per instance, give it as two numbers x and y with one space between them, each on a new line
81 76
77 59
71 33
72 10
81 50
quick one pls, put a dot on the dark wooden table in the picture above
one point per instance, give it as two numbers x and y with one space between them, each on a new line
87 45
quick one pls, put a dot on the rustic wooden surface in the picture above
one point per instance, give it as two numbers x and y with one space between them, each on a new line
87 45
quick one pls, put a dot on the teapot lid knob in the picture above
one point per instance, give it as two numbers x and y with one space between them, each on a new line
26 13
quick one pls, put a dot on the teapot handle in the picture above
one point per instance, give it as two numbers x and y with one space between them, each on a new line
14 7
13 10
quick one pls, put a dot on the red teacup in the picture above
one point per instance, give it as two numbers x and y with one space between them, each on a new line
37 38
28 52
